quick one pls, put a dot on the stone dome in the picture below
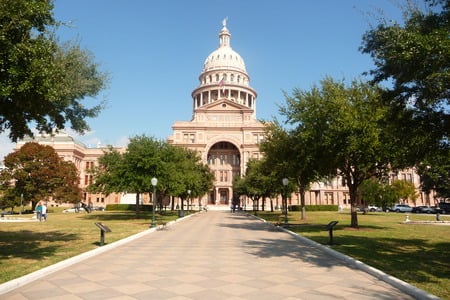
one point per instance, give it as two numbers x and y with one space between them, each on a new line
224 57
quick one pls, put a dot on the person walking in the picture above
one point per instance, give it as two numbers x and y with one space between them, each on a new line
44 212
39 211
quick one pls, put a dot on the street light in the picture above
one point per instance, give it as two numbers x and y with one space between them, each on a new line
154 183
285 182
189 197
21 203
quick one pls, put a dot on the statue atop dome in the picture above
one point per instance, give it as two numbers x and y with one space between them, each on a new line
224 22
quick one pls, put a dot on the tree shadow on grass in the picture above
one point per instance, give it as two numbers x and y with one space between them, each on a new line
118 216
28 244
413 260
130 215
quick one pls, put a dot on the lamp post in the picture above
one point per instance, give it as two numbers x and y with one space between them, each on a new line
154 183
189 198
21 203
285 182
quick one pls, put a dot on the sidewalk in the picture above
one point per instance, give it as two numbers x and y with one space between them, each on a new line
213 255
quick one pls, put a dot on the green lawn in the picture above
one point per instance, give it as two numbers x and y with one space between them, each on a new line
417 254
29 246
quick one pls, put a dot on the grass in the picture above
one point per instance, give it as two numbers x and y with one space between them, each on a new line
416 253
29 246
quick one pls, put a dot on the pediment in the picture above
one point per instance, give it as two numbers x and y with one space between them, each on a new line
224 105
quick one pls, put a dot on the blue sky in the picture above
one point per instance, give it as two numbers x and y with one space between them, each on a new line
154 52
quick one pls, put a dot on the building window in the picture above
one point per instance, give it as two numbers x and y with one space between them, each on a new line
258 137
87 179
89 165
236 160
188 138
329 198
223 176
212 160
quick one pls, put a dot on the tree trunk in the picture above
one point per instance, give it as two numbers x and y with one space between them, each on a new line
138 206
302 202
271 204
354 208
354 217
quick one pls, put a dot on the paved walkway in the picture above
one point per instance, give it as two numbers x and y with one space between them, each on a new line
214 255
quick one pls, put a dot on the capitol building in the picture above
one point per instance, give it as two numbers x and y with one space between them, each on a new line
224 130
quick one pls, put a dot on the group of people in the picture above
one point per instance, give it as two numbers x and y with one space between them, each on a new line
41 212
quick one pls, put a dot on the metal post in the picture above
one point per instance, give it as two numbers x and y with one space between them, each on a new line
21 203
102 237
189 198
154 183
285 182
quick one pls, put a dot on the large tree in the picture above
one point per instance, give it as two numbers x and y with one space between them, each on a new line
43 83
413 57
178 171
288 155
260 181
343 130
37 173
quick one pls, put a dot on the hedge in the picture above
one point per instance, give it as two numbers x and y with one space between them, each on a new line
314 207
130 207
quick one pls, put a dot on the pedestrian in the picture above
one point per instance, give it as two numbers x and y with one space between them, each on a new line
44 212
39 211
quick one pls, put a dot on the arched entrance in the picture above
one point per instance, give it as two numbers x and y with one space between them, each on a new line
224 160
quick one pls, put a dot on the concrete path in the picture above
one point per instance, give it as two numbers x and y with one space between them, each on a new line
213 255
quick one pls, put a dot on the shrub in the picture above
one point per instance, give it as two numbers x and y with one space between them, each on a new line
130 207
314 208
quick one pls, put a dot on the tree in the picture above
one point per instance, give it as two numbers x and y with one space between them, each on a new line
177 170
131 171
252 184
343 130
186 176
435 174
404 190
414 58
371 192
288 156
37 172
66 184
42 82
384 194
